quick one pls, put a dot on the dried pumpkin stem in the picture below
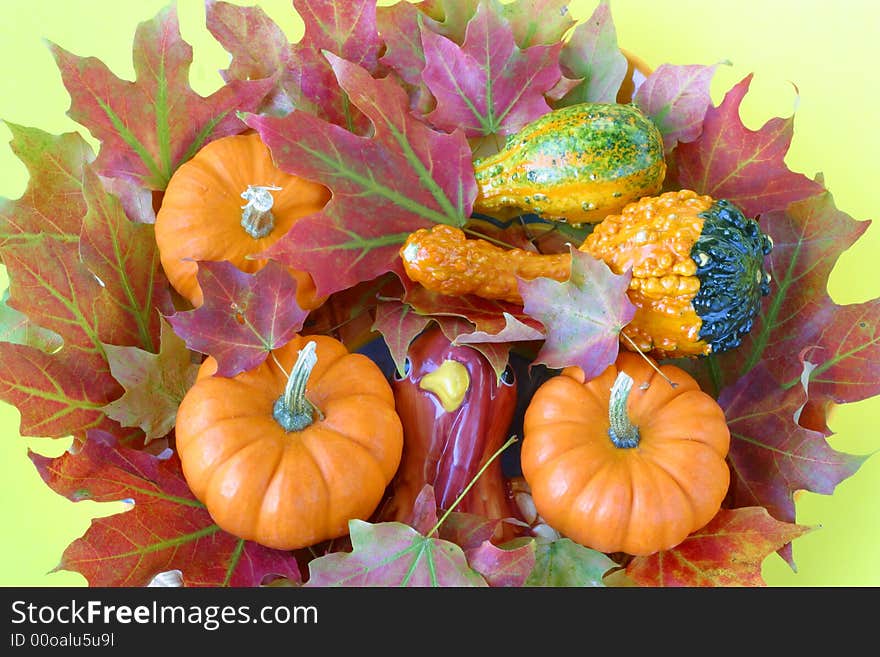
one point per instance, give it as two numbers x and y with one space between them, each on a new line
256 215
292 410
622 431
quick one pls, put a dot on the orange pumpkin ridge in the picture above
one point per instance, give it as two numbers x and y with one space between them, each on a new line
230 202
288 461
626 462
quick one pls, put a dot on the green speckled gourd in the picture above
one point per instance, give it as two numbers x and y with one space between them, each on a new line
576 164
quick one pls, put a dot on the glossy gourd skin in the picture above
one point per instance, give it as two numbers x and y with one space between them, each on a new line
455 414
201 212
636 499
575 164
290 489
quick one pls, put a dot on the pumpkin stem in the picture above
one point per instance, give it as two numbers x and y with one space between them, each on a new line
256 215
623 432
292 410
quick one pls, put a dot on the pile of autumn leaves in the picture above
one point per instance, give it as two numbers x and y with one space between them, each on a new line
382 105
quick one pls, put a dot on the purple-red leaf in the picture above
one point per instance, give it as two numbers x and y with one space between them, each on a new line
488 85
582 316
744 166
729 551
503 566
399 324
258 46
808 238
244 316
347 30
166 528
591 57
771 455
393 554
406 176
676 98
149 127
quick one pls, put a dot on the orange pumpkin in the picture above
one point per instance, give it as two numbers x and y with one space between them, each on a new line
288 461
626 462
229 202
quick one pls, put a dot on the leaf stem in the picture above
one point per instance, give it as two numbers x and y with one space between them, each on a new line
470 485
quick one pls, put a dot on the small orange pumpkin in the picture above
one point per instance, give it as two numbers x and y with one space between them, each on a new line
288 461
626 462
229 202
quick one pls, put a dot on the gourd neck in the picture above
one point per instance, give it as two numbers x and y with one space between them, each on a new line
256 215
623 433
292 410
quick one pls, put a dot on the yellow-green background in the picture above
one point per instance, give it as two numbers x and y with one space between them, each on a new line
814 58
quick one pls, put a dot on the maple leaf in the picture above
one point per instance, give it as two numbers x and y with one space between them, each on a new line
582 316
488 85
58 394
124 258
399 325
514 330
164 529
393 554
17 328
676 99
729 551
258 46
537 21
347 30
843 342
746 167
52 203
771 455
154 384
503 566
244 316
404 177
149 127
562 562
79 269
592 58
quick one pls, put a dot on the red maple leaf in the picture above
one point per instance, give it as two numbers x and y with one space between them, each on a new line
729 551
488 85
165 529
404 177
771 455
746 167
149 127
244 316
